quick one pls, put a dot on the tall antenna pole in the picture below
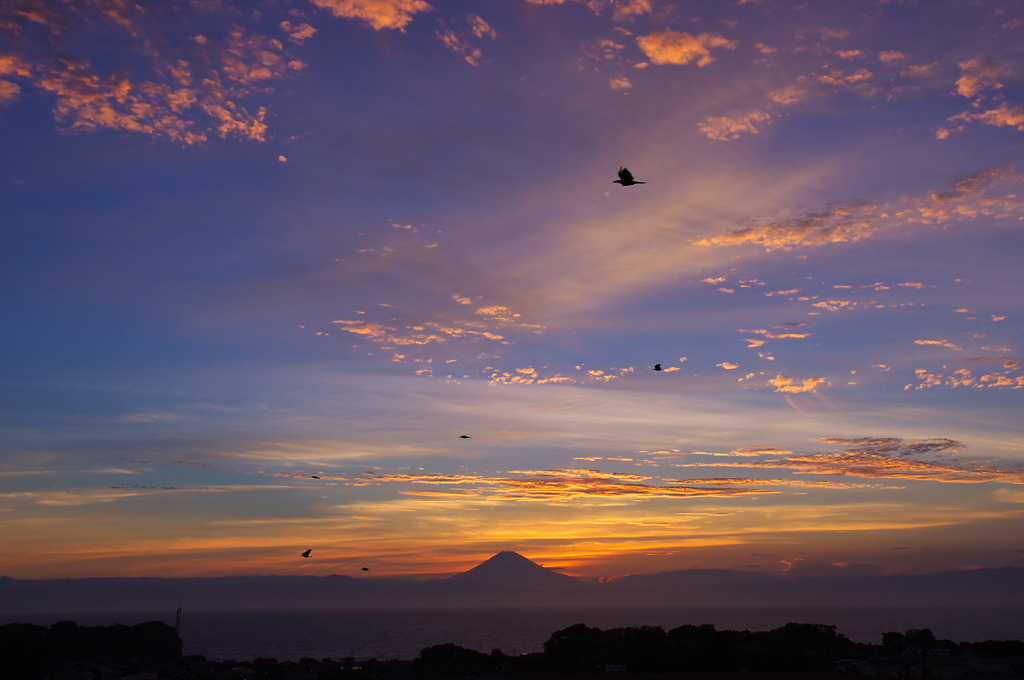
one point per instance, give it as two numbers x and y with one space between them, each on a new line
176 662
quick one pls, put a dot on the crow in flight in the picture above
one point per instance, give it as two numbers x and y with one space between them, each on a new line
314 477
464 436
626 178
657 367
306 553
366 569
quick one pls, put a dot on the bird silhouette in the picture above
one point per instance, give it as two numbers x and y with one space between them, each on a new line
626 178
657 367
366 569
464 436
314 477
306 553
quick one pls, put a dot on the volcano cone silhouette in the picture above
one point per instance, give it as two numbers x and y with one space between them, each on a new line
511 570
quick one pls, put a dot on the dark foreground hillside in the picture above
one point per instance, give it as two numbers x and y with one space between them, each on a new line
67 651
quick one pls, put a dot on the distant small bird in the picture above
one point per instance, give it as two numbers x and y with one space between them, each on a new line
306 553
464 436
626 178
366 569
314 477
657 367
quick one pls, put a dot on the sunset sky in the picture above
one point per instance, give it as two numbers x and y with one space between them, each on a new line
246 243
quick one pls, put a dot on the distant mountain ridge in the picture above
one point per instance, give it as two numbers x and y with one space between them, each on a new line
509 580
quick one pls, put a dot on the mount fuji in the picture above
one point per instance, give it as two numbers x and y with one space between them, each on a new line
509 569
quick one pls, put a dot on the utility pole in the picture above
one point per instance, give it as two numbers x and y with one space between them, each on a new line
176 661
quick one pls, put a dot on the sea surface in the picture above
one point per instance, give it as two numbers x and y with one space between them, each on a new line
402 633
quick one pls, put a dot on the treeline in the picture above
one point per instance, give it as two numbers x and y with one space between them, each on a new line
650 649
30 652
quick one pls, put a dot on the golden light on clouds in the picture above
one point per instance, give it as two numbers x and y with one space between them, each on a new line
380 14
785 384
672 47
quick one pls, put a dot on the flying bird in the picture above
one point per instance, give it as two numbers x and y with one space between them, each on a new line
657 367
626 178
306 553
464 436
366 569
314 477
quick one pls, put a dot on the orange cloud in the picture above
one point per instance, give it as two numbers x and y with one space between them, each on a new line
297 34
581 473
163 97
785 384
769 334
940 343
919 70
569 488
980 73
627 10
749 481
456 43
745 452
9 92
840 79
459 41
379 14
733 125
1004 115
497 313
980 76
965 378
671 47
790 95
891 56
481 28
411 335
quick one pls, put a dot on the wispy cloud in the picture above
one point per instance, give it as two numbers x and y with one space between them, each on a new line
891 458
734 125
991 193
562 485
459 39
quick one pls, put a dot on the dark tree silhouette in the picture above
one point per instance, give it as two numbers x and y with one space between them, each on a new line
642 649
36 650
450 660
576 648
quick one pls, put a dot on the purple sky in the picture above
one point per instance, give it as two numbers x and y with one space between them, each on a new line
241 247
